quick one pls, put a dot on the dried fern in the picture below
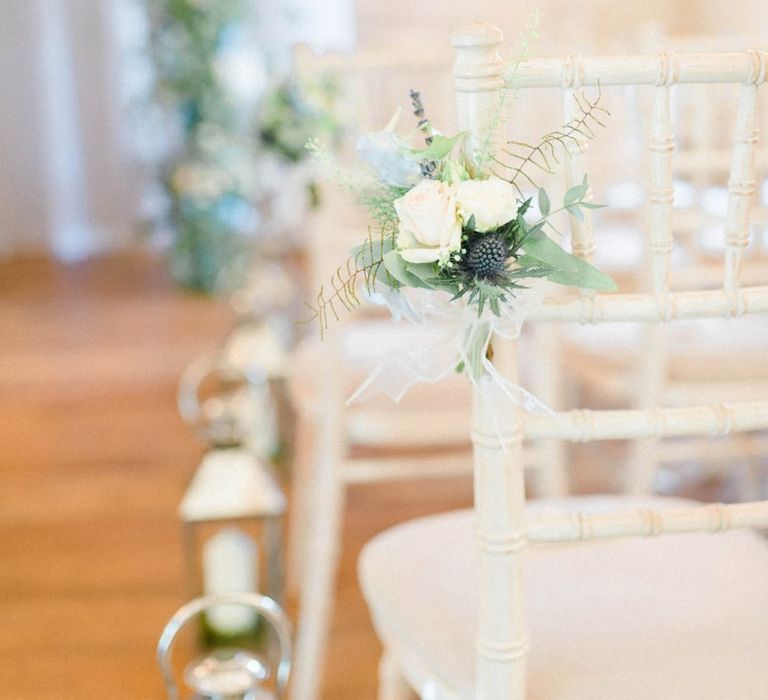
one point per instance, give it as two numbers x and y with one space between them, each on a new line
544 155
364 265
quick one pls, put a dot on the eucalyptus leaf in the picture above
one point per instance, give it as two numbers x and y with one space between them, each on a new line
544 206
426 272
575 212
575 194
372 250
398 268
592 205
585 277
568 269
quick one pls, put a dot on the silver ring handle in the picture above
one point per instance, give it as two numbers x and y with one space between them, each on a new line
189 385
265 606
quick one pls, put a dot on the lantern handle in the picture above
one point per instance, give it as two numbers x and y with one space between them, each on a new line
265 606
188 400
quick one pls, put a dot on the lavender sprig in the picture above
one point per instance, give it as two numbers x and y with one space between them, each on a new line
428 167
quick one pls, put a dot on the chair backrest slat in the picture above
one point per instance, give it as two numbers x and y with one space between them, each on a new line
660 196
741 187
582 235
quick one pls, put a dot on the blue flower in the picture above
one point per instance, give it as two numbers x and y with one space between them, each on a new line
389 156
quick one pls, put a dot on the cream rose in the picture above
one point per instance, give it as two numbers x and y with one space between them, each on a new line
430 228
492 202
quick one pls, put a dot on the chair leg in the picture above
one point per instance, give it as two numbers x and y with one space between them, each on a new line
322 548
317 590
298 527
392 684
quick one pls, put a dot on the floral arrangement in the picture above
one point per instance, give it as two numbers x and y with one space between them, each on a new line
233 175
462 226
296 111
200 55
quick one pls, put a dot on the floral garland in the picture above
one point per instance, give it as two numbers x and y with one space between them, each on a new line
229 129
208 176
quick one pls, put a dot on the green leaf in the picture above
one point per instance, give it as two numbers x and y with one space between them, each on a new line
544 206
371 251
453 172
471 223
592 205
529 267
575 212
398 268
426 272
585 277
440 147
576 193
569 270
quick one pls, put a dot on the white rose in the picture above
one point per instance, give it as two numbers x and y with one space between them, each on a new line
429 224
493 202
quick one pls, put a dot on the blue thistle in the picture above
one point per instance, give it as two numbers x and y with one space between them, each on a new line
486 257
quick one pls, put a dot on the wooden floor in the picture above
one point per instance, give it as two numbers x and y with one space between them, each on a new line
93 462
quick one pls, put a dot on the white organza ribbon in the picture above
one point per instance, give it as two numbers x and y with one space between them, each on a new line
450 336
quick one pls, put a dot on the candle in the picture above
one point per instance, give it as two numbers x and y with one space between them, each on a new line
230 565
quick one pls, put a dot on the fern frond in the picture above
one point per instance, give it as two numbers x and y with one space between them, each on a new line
520 155
363 266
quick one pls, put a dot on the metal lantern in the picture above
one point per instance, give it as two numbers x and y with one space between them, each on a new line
232 510
268 290
229 674
257 348
229 401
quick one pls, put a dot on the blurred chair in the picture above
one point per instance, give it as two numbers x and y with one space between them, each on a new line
611 615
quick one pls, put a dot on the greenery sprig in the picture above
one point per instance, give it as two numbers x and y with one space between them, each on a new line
544 155
363 266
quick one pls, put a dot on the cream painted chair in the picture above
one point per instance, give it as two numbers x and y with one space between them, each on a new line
337 446
569 599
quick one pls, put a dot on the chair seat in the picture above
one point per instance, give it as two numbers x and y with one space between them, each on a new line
679 617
